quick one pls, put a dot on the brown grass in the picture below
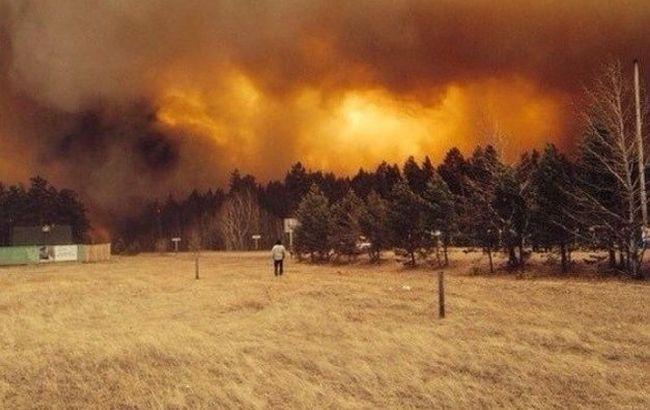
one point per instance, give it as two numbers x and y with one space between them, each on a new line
140 332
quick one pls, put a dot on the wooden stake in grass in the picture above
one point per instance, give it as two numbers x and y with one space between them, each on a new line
441 295
196 265
195 246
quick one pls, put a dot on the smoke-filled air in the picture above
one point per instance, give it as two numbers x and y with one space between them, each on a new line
125 100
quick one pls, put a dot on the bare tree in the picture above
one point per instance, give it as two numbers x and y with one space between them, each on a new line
610 188
239 219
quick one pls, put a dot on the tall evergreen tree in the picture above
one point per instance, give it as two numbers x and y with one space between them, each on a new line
386 176
276 199
297 182
428 170
362 183
373 222
406 219
239 183
453 171
499 205
312 235
553 202
71 211
414 176
334 188
441 215
344 229
511 208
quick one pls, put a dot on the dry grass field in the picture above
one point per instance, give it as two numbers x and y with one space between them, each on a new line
140 332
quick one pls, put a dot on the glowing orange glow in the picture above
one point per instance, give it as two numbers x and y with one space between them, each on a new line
365 127
346 130
208 113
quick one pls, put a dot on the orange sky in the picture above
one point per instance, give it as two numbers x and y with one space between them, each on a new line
355 128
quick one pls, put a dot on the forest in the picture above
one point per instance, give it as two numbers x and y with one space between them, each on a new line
534 204
547 200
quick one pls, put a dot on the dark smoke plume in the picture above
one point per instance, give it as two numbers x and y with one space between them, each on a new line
86 86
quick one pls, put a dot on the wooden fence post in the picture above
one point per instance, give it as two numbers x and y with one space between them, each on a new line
441 295
196 265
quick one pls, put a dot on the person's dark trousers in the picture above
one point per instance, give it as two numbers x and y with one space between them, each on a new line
277 266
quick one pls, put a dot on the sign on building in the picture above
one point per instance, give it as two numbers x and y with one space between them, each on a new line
66 253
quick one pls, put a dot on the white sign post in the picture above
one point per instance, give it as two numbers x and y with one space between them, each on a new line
176 241
290 224
257 238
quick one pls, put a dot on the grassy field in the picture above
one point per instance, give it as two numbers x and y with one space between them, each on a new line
140 332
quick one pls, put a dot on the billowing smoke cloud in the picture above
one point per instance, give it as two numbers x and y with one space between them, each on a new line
128 99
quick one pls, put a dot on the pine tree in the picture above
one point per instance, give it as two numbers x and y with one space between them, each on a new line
386 176
344 229
406 219
499 207
453 171
362 183
312 235
511 207
276 199
71 211
427 170
552 202
373 222
297 183
414 176
441 215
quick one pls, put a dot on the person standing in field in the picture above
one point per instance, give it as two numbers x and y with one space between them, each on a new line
278 252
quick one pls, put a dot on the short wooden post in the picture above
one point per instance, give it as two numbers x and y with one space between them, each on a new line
441 295
196 265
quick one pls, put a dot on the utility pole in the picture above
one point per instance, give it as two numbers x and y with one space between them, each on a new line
639 140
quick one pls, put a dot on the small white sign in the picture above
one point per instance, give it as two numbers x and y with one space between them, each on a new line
257 237
66 253
290 224
176 239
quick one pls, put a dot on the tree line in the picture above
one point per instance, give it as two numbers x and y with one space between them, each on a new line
38 205
418 209
546 200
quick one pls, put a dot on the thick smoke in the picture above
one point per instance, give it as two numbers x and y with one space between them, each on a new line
128 99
